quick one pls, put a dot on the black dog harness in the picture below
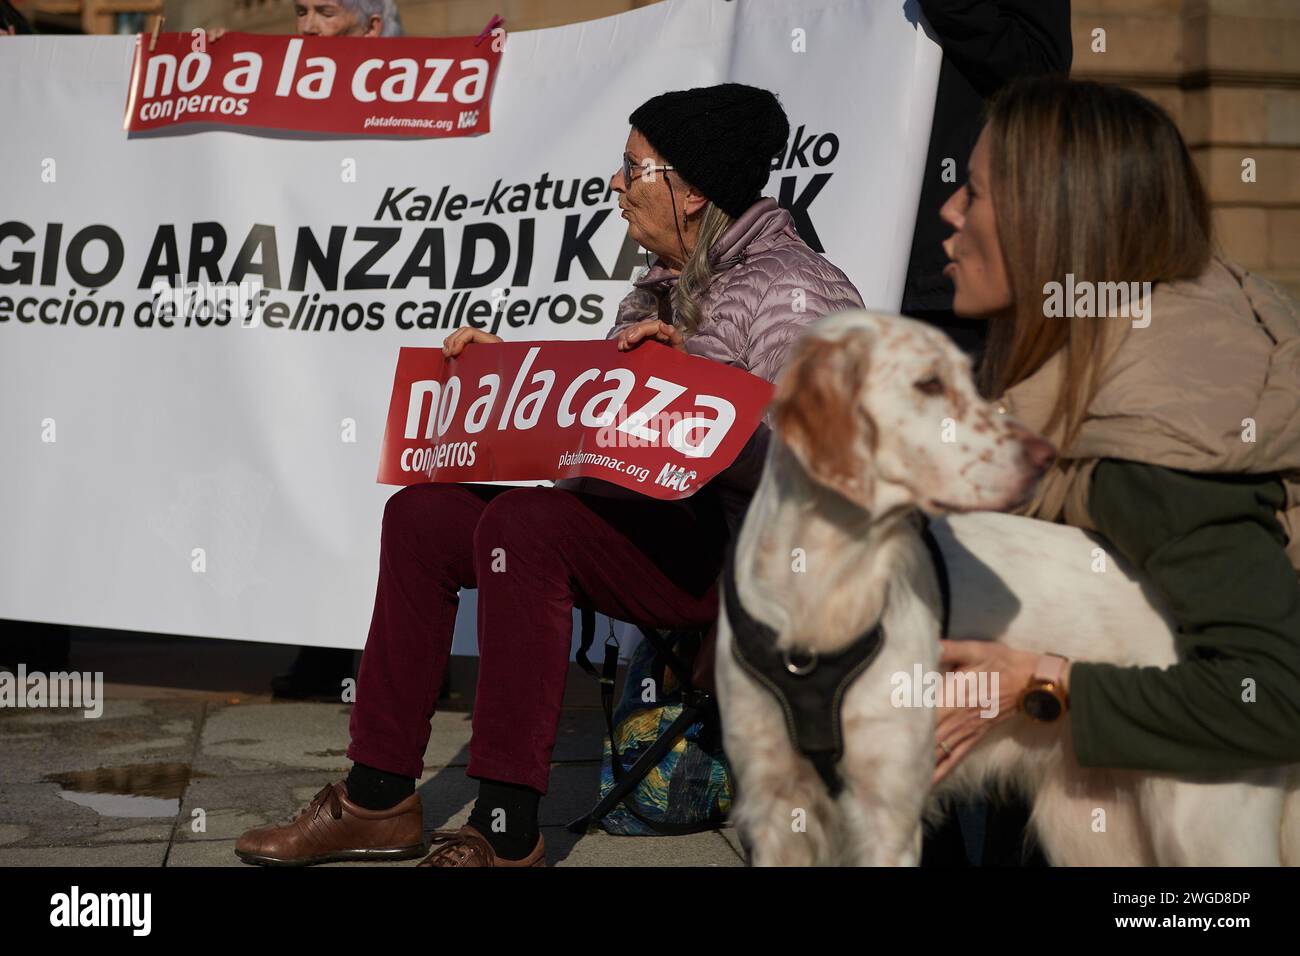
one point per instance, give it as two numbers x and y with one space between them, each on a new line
804 683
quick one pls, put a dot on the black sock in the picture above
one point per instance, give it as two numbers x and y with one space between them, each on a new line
377 789
506 815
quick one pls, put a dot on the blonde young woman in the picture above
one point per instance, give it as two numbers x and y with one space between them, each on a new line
1179 439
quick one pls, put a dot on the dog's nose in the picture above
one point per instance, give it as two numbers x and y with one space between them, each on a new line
1038 452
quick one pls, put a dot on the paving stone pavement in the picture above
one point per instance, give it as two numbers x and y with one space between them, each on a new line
167 777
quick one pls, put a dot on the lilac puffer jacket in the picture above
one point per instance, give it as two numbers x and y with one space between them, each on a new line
768 286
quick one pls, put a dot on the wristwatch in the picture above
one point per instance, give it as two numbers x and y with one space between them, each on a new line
1044 698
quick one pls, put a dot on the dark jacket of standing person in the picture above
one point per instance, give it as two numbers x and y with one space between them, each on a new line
986 44
10 17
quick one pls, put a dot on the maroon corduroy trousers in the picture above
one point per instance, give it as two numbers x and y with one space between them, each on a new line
533 553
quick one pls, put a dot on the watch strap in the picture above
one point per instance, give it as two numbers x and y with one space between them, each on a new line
1050 668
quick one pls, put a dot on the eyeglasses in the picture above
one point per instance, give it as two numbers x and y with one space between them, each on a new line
646 167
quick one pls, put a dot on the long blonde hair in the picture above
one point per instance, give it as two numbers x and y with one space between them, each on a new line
1093 180
696 274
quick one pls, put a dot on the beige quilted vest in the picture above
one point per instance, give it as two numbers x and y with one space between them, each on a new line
1211 385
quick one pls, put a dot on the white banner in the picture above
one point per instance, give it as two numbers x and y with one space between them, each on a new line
188 475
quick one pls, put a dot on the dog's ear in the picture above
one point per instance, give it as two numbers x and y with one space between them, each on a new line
815 412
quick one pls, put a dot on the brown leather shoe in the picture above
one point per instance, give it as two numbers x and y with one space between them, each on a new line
468 847
332 828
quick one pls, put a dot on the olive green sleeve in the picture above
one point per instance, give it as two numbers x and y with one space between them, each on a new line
1212 546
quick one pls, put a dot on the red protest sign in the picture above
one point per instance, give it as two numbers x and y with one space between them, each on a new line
392 86
655 420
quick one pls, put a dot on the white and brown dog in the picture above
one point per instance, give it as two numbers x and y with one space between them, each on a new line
834 595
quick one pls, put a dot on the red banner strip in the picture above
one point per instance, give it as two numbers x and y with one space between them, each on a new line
654 420
360 86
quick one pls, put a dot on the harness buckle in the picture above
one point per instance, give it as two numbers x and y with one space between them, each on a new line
800 664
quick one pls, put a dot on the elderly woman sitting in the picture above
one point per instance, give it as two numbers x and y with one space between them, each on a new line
732 282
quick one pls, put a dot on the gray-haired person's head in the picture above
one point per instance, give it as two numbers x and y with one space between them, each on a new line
386 10
716 142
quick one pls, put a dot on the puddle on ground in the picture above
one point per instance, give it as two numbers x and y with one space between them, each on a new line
137 790
123 805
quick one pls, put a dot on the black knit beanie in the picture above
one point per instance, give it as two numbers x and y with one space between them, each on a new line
721 139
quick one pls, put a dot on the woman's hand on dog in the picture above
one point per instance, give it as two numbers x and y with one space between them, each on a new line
959 729
454 343
648 329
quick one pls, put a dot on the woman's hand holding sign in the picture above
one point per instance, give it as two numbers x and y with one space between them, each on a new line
646 329
452 344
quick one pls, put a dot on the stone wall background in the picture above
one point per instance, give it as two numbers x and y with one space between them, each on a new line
1228 71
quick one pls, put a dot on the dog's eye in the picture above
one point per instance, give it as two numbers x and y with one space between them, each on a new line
931 385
